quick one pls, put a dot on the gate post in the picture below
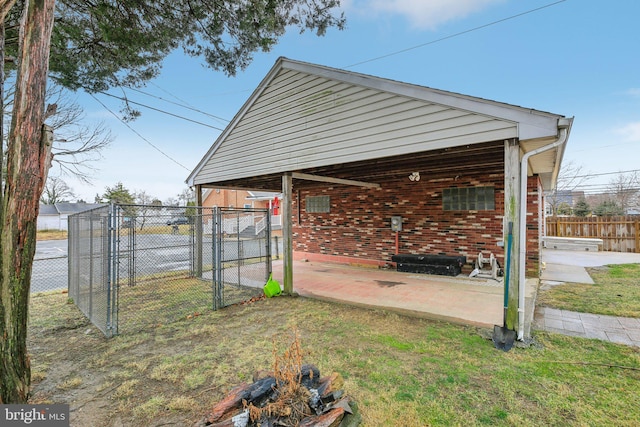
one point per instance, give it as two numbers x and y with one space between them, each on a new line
217 242
113 272
268 248
199 230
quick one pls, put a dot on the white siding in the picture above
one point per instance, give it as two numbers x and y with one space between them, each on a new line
51 222
302 121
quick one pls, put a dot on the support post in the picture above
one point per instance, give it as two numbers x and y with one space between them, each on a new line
511 208
197 223
287 232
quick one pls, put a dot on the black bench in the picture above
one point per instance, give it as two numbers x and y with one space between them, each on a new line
443 265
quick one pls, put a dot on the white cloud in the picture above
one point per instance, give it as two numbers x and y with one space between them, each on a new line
630 132
634 91
422 14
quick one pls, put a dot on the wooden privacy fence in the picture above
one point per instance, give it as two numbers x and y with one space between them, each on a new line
618 234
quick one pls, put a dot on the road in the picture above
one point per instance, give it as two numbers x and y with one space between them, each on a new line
154 253
50 266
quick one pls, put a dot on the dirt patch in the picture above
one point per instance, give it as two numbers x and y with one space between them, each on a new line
165 375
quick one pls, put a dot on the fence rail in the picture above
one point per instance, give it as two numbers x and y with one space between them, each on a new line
618 234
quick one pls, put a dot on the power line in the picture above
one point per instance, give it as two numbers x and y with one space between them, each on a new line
605 146
141 137
349 66
383 56
605 173
122 98
184 105
456 34
169 93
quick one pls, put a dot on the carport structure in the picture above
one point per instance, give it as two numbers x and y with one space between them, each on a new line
350 151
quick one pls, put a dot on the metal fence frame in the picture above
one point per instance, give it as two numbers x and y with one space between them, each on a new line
112 263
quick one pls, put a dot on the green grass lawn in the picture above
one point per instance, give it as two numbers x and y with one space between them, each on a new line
616 292
402 371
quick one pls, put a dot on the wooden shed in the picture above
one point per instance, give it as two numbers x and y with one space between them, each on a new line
350 152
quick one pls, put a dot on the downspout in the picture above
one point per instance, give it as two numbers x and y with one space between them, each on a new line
563 126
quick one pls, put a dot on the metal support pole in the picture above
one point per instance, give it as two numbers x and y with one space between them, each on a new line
197 223
111 220
268 245
218 241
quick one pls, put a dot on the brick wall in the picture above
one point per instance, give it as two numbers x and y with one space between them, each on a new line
535 225
227 199
358 227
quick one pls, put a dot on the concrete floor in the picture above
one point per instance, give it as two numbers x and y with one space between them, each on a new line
463 300
588 259
469 301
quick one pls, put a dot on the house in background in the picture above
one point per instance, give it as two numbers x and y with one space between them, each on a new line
55 217
370 167
244 199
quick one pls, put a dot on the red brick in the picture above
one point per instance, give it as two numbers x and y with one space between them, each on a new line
358 230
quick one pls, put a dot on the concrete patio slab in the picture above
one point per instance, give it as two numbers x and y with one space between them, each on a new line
588 259
565 273
463 300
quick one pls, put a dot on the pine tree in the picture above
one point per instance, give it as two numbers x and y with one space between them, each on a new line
582 208
95 45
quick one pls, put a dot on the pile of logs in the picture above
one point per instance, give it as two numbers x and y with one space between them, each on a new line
273 401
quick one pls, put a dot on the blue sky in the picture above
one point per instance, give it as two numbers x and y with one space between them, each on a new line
575 58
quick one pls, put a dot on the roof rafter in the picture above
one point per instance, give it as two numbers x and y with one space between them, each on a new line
309 177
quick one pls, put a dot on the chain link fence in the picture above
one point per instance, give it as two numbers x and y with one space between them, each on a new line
91 269
144 266
50 265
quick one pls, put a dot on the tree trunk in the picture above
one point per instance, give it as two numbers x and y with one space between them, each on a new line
2 43
29 156
5 7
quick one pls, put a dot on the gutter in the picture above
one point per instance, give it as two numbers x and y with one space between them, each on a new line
563 126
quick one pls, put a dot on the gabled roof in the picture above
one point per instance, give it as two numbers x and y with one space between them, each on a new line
47 210
65 208
304 116
71 208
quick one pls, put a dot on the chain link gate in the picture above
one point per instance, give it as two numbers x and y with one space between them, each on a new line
92 272
133 267
241 254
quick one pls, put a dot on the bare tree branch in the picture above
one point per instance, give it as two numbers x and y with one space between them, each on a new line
56 191
624 188
77 145
571 177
